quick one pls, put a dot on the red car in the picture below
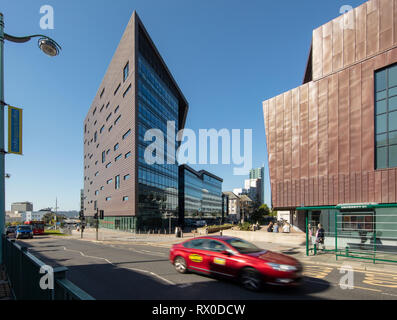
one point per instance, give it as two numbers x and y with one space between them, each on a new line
235 258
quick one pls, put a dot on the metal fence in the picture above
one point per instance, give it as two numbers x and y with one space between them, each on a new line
23 270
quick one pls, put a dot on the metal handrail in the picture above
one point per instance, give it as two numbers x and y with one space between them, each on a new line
23 270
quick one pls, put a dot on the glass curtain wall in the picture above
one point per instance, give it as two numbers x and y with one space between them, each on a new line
157 183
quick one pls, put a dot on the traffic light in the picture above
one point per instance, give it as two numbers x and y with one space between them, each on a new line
101 214
81 215
96 216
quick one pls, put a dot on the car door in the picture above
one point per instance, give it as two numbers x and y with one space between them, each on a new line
197 255
220 263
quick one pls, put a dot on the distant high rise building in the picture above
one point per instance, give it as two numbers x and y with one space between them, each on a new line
259 174
22 206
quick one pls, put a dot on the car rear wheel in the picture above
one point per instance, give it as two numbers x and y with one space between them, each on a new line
251 279
180 265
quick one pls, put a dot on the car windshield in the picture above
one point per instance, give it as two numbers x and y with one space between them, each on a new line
24 228
243 246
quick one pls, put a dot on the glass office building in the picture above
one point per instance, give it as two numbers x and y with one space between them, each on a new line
137 93
200 195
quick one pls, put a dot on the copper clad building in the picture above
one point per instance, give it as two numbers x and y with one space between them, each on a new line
137 93
332 142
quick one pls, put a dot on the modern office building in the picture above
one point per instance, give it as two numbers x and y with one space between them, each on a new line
200 195
137 93
332 142
255 174
254 189
21 206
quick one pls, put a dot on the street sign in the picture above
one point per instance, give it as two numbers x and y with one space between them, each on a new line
14 130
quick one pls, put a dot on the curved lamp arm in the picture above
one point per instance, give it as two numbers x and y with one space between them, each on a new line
27 38
46 44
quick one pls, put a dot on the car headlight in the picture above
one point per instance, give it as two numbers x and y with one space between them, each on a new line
282 267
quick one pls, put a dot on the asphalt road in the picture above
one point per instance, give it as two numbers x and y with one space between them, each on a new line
135 271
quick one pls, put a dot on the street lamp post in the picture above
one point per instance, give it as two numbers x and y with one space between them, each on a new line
49 47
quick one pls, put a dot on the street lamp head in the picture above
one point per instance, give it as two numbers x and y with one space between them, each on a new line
48 46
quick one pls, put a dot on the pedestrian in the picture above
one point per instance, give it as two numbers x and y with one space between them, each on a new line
310 232
275 229
270 227
320 236
286 227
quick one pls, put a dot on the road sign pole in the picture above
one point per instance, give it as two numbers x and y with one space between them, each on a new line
2 151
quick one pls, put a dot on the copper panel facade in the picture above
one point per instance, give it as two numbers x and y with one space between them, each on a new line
330 158
362 33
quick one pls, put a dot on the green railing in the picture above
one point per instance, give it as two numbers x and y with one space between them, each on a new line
368 235
23 270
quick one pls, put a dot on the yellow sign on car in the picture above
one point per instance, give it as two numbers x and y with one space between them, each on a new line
220 261
196 258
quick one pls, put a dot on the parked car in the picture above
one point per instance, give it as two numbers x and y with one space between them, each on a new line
10 230
238 259
24 231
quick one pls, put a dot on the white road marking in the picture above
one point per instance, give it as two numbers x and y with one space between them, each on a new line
134 269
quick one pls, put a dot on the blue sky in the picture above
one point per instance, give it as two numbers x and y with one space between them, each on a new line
227 57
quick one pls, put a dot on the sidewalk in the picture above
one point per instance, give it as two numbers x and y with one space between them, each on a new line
5 292
115 235
297 251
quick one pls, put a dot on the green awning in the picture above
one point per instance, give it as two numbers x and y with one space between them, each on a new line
351 206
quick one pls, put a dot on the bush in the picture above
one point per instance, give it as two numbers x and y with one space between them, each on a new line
246 226
215 228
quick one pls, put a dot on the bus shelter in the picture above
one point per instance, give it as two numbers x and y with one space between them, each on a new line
362 231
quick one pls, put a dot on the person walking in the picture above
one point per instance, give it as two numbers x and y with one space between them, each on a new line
270 227
286 228
320 236
275 229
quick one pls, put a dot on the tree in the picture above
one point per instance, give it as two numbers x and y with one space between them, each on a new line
259 214
48 218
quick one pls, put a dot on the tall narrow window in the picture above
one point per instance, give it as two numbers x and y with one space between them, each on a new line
126 71
386 118
117 182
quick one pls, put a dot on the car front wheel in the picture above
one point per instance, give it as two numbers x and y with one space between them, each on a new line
251 279
180 265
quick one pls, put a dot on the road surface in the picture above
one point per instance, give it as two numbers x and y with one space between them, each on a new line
142 271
